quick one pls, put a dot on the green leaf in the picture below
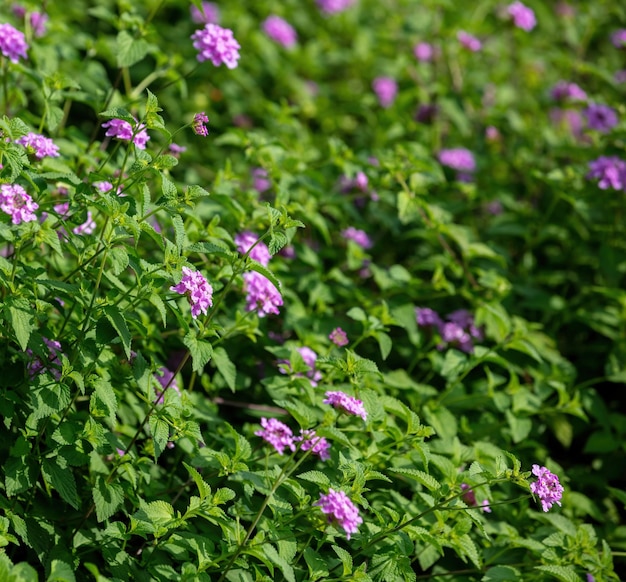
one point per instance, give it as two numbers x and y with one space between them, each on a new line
62 479
284 566
562 573
316 477
211 248
160 431
107 497
103 402
384 343
201 351
179 232
424 478
357 314
225 366
278 240
502 574
118 322
60 572
118 113
346 560
130 50
317 565
20 314
254 266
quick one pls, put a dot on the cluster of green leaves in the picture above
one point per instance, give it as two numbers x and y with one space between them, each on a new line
129 453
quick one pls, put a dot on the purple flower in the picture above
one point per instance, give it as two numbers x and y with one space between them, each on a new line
564 91
340 510
332 6
601 117
348 404
459 159
260 181
319 445
52 364
358 236
465 319
386 90
260 253
12 43
17 203
176 149
469 41
208 13
424 51
261 294
280 31
610 171
198 291
547 487
470 498
453 333
38 22
338 337
86 227
492 133
167 380
40 145
124 131
198 124
310 357
618 38
590 578
427 317
523 17
277 434
216 44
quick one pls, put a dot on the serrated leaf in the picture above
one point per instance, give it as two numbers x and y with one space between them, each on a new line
316 477
160 431
278 240
502 574
201 351
225 366
203 487
469 549
562 573
60 571
284 566
118 322
14 157
156 301
211 248
107 497
179 232
118 113
103 400
424 478
62 479
21 318
346 560
223 495
317 565
130 50
254 266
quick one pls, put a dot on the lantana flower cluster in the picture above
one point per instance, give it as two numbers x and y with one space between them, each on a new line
610 171
547 487
281 437
341 510
279 30
13 43
216 44
457 329
124 131
40 145
17 203
198 291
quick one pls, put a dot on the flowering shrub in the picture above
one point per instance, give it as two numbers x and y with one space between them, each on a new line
368 327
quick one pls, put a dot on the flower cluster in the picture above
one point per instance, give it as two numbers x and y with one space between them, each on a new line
360 237
601 117
12 43
609 171
261 294
459 159
345 403
338 337
318 445
199 124
124 131
52 364
208 13
16 202
279 30
216 44
309 357
277 434
424 52
457 329
523 16
41 146
332 6
469 41
618 38
386 90
340 509
197 289
565 91
547 487
260 253
260 180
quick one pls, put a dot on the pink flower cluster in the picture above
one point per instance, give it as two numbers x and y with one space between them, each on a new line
340 509
198 291
332 6
523 16
600 117
547 487
208 13
610 171
345 403
318 445
565 91
40 145
386 90
360 237
16 202
469 41
260 253
280 436
424 52
338 337
459 159
458 330
12 43
279 30
199 124
124 131
216 44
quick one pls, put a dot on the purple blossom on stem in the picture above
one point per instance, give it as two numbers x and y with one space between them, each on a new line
86 227
427 317
260 181
601 117
345 403
176 149
340 510
523 16
277 434
469 41
209 12
319 445
53 362
261 294
198 125
41 146
260 253
124 131
338 337
279 30
424 52
565 91
547 487
360 237
38 22
12 43
333 6
198 291
15 201
610 171
618 38
386 90
459 159
216 44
